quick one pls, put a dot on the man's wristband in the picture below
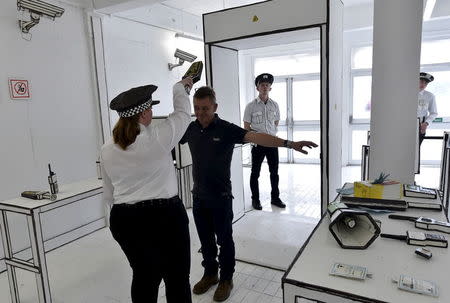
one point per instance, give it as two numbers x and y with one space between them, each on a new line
287 144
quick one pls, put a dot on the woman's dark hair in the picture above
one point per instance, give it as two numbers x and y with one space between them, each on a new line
205 92
126 130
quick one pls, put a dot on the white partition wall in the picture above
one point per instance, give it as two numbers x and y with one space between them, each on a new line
223 75
280 22
396 56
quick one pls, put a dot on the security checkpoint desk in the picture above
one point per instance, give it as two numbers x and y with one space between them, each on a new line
308 280
33 209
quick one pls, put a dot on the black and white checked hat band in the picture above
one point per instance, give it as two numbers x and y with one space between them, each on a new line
135 110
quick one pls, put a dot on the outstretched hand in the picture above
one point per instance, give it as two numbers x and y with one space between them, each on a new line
298 146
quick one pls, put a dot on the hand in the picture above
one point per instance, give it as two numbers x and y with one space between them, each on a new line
187 82
298 146
423 127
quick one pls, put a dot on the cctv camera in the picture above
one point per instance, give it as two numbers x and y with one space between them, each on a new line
37 9
40 8
185 56
182 56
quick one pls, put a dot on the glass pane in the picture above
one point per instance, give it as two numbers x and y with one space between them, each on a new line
359 138
440 87
435 52
362 90
362 57
278 94
304 63
306 100
307 135
282 152
432 149
432 52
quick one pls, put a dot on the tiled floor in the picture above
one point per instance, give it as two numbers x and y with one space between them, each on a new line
93 269
299 188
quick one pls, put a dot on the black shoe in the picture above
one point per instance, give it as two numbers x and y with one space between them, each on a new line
256 204
278 202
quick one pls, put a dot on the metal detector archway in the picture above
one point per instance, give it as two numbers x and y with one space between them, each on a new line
228 31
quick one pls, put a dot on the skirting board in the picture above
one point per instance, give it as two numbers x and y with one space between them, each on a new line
60 240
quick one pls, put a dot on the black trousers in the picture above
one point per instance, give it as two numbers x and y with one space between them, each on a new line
155 239
258 155
213 219
421 137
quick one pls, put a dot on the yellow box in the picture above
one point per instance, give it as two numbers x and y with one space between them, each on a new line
367 190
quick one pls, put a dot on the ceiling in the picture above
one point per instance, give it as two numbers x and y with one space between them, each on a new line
199 7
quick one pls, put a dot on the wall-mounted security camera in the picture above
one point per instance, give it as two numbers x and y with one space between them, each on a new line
182 56
37 8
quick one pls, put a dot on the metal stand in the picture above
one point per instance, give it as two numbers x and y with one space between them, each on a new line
39 264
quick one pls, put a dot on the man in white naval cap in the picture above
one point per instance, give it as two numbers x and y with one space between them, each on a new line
427 110
262 115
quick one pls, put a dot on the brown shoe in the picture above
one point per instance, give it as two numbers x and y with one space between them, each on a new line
204 284
223 290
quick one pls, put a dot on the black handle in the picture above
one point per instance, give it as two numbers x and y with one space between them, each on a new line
396 237
400 217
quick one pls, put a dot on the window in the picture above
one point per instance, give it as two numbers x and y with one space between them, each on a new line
308 135
306 100
362 92
435 59
278 94
308 62
362 57
440 87
435 51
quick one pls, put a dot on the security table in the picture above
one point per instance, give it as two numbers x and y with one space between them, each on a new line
308 280
33 209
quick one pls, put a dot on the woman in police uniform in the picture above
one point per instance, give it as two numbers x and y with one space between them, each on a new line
148 220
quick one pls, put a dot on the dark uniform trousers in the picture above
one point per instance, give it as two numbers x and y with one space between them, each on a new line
213 218
258 154
155 239
421 137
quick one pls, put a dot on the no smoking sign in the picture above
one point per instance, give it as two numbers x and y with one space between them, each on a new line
19 89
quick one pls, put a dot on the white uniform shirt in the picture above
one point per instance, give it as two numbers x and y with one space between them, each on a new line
427 107
145 169
262 116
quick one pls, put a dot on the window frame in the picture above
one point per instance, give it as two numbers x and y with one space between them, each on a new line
364 124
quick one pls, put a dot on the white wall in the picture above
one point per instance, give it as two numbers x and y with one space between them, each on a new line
59 124
138 54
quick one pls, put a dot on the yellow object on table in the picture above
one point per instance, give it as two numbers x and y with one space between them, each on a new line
364 189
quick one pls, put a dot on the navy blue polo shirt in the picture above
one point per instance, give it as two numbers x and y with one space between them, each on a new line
212 150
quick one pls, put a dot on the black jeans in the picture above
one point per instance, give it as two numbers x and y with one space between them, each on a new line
214 218
258 154
155 239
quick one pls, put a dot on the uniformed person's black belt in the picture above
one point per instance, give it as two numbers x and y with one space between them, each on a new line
152 203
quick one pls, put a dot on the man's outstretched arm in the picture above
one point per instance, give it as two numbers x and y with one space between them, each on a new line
272 141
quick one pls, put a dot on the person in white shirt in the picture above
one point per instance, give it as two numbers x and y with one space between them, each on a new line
148 219
427 110
262 115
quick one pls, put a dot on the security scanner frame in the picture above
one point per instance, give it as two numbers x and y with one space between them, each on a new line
269 23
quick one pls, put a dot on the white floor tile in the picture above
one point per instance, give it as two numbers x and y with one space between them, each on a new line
261 285
272 288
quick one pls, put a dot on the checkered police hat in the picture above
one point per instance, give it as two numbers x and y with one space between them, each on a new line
264 78
134 101
426 76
